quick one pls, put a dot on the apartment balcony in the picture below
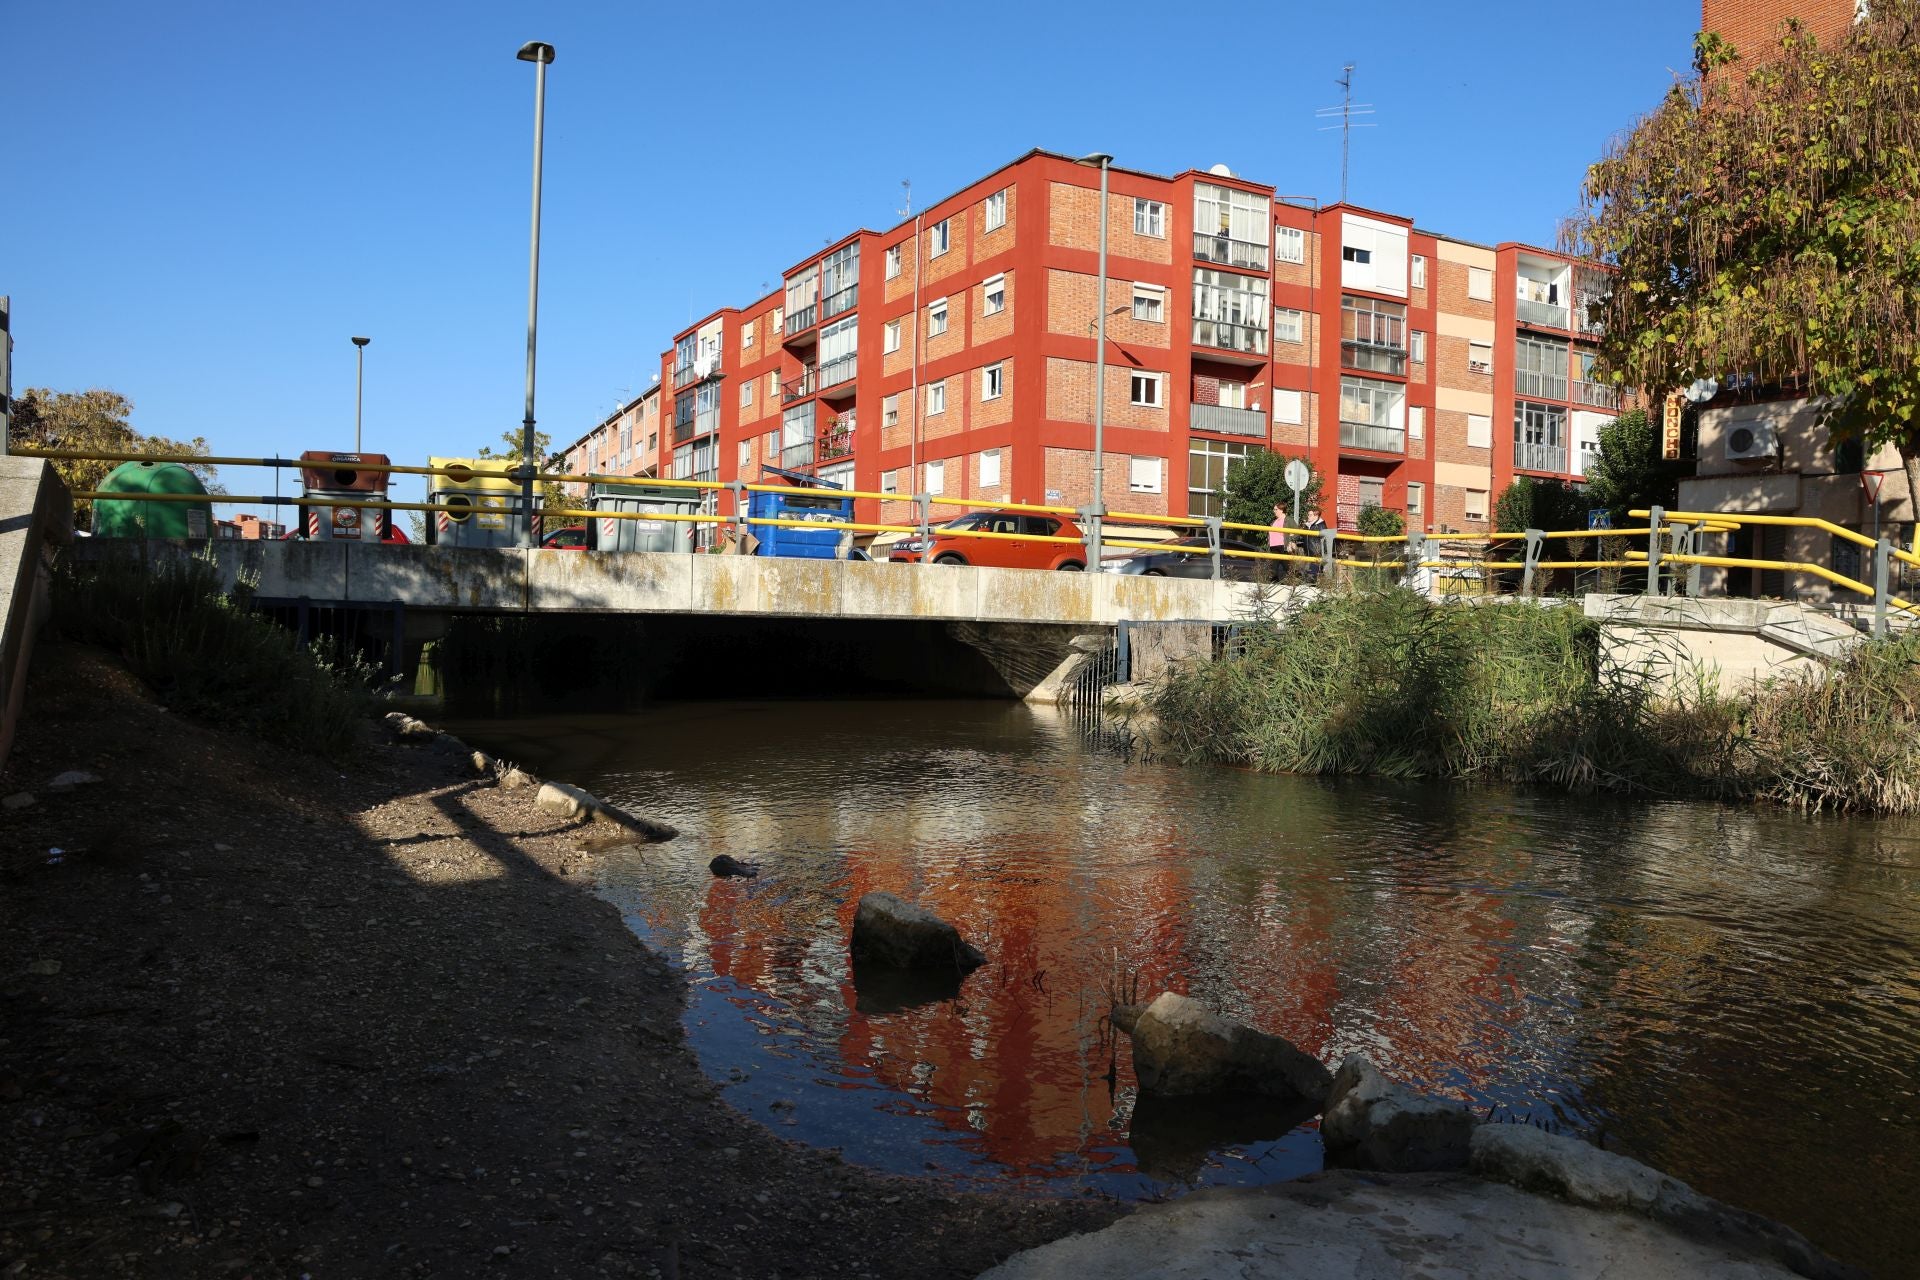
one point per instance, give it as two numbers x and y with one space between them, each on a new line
702 368
1539 386
797 455
1230 337
800 323
684 375
840 301
836 442
1247 255
840 373
801 387
1550 314
1373 357
1223 420
1598 394
1364 435
1540 457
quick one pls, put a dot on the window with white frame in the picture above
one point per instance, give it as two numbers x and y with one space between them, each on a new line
1288 406
939 236
746 394
889 482
1473 504
1233 395
893 261
1149 218
1479 431
1229 226
936 398
746 335
746 454
937 476
775 319
1479 357
1288 324
993 296
1416 501
890 337
936 317
1150 303
773 384
1418 272
1416 422
1289 244
1144 389
990 469
1144 475
890 411
997 210
1417 346
1480 284
992 381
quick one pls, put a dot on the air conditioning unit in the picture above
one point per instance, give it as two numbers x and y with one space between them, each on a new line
1751 440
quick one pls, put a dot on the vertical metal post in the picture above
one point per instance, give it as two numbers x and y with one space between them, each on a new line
925 503
1654 517
6 371
359 385
1691 545
539 55
1416 553
1122 654
1099 392
1882 564
1326 553
1536 539
739 489
1213 542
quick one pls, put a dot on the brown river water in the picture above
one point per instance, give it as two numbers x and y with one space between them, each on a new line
1731 995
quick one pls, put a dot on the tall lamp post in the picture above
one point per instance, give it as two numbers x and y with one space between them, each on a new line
1097 509
359 384
539 55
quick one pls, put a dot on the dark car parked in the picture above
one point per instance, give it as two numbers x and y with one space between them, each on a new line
1195 563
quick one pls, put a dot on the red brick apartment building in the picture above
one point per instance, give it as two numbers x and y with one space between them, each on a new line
954 354
1752 27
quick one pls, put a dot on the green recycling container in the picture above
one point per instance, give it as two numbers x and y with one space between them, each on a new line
131 519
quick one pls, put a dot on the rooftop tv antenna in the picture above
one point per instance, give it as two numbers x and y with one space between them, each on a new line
906 185
1345 113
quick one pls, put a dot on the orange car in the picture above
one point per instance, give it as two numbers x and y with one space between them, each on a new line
1025 551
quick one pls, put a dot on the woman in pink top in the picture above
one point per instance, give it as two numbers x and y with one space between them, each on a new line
1276 540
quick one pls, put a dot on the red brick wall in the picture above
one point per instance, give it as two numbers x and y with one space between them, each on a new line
1752 27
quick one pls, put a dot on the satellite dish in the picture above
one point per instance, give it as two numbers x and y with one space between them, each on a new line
1221 171
1703 390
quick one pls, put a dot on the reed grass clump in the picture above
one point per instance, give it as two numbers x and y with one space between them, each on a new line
1387 682
210 657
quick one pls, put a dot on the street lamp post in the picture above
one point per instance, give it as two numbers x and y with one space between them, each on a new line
1098 508
539 55
359 384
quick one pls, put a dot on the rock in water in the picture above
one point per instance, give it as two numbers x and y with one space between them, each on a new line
726 866
890 931
1181 1048
1376 1123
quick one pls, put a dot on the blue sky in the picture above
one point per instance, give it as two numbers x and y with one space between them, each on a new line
207 200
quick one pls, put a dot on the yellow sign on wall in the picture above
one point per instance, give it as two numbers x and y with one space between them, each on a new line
1670 426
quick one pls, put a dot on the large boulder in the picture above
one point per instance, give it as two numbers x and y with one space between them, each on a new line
1181 1048
1372 1122
890 932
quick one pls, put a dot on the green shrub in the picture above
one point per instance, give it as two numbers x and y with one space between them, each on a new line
209 657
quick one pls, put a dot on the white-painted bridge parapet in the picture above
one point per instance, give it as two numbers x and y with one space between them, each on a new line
512 580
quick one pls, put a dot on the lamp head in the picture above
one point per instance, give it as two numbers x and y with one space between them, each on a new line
534 51
1098 159
361 342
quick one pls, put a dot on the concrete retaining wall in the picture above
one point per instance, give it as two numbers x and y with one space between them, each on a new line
36 515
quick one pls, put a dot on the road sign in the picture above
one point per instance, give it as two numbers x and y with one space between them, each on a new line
1599 518
1297 474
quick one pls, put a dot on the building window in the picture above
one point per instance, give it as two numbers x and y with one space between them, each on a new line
890 411
1233 395
1230 311
893 262
990 469
746 394
776 319
890 337
939 236
1354 253
1287 324
1473 504
936 398
996 210
1149 303
1540 368
1230 226
1416 422
889 482
995 298
1143 474
992 380
1144 389
937 477
746 455
1417 350
653 441
1149 218
770 446
746 335
1207 464
840 281
773 384
1371 414
1479 357
1373 335
936 317
1287 406
1416 501
1480 284
1479 431
1419 272
1290 244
